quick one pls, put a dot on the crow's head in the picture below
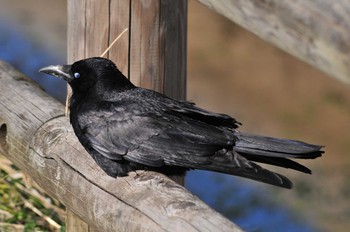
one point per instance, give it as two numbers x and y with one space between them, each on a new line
90 74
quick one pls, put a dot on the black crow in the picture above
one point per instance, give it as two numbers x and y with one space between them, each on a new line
126 128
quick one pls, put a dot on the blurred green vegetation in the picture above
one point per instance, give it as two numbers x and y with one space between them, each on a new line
24 206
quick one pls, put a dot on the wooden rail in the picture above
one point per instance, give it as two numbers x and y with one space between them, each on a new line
317 32
37 137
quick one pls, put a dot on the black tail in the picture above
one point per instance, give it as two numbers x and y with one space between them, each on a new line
272 147
276 152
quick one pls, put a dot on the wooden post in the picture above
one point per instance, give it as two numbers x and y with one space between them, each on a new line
152 54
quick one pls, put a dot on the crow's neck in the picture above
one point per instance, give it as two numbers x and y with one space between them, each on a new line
112 80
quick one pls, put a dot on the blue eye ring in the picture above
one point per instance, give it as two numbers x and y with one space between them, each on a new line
76 75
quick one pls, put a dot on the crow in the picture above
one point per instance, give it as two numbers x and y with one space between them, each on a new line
126 128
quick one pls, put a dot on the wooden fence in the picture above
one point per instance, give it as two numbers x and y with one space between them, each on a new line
37 137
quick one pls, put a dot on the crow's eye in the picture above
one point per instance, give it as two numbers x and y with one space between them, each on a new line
76 75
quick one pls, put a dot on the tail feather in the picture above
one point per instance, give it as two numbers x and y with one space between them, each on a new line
267 146
277 161
249 149
276 151
232 163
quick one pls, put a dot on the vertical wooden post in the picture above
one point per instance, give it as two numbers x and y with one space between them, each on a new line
158 35
152 54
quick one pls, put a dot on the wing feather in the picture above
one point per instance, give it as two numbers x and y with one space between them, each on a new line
154 135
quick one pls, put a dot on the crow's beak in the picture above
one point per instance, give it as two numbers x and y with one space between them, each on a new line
61 71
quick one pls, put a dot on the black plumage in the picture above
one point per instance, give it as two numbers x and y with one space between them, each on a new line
126 128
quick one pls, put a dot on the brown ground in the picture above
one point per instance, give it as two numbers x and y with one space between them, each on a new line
234 72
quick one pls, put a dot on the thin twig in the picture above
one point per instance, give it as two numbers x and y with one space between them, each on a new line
18 187
46 203
66 109
116 39
51 222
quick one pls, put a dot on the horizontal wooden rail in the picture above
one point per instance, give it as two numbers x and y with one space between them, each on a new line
317 32
38 139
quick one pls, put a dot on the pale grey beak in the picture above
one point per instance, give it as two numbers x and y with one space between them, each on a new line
61 71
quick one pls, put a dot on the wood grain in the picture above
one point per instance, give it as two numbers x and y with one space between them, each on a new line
76 45
144 45
158 38
97 27
119 20
76 30
40 141
173 43
317 32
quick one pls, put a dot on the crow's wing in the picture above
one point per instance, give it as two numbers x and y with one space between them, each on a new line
155 134
189 109
151 135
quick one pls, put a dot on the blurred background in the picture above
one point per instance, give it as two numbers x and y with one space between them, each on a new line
230 71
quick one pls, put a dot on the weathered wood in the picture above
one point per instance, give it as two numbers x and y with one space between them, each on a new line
317 32
156 47
144 54
76 45
119 20
76 22
37 138
173 34
96 27
158 34
74 223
